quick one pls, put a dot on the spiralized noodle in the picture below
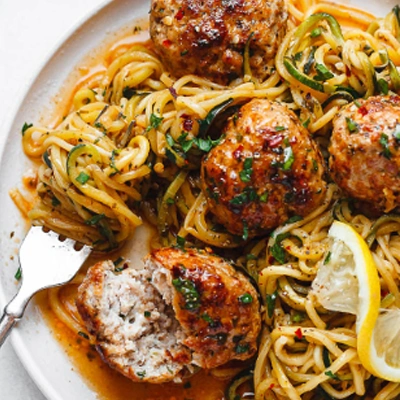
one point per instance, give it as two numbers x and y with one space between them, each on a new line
132 144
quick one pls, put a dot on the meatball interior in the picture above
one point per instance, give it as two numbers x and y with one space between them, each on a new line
265 170
364 151
184 308
207 38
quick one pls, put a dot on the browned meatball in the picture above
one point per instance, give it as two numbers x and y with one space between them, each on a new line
208 38
216 306
364 151
266 170
185 308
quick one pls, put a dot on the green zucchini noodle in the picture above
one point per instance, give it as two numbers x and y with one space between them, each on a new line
131 146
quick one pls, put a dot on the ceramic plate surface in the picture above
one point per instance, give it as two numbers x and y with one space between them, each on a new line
33 341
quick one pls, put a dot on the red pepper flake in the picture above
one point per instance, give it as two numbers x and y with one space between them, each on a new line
272 142
384 293
299 333
271 260
363 110
173 92
238 152
179 15
187 123
271 386
166 43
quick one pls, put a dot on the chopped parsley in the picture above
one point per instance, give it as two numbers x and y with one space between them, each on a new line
242 348
316 32
298 317
293 219
83 334
82 178
155 122
276 250
384 142
55 202
202 144
306 122
383 86
264 197
327 258
288 159
396 133
248 195
180 242
246 298
95 219
280 128
332 375
352 126
245 235
114 153
18 274
271 300
147 314
189 292
245 174
141 374
207 318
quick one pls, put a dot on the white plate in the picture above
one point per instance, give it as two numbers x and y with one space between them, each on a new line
35 345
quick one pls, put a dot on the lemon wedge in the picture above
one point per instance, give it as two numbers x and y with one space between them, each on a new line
348 281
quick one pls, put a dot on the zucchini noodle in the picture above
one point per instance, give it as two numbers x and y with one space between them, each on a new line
131 147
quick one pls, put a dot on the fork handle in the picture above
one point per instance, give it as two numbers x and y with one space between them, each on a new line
7 321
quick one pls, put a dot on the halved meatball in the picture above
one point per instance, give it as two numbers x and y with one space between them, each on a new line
364 151
136 332
265 170
183 309
216 306
208 38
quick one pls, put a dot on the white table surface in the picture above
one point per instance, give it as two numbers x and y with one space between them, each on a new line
29 30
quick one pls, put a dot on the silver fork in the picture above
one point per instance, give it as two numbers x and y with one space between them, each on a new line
45 261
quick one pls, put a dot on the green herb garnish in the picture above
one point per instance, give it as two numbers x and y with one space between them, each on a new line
155 122
95 219
332 375
82 178
246 298
189 292
384 142
242 348
18 274
245 174
352 126
271 300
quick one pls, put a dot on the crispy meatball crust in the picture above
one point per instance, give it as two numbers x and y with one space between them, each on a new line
207 38
266 170
216 306
364 151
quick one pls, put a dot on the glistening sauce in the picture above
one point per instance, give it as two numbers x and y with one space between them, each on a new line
109 384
